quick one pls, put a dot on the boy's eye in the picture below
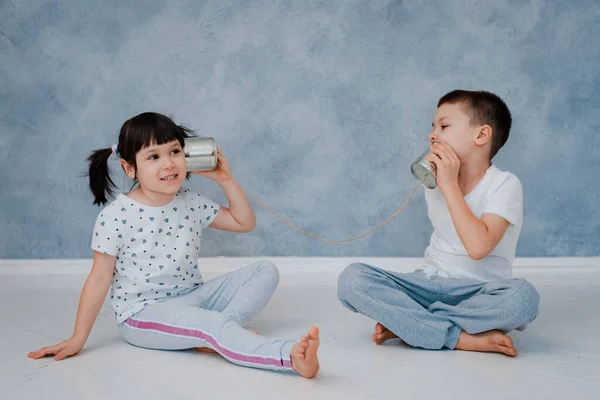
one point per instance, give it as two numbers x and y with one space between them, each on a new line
175 151
153 157
445 126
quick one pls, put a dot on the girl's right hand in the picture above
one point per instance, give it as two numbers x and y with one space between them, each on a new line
60 351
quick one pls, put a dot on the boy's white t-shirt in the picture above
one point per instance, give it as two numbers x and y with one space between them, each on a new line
498 193
156 248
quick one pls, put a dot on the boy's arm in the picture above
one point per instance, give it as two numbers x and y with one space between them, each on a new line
91 300
479 236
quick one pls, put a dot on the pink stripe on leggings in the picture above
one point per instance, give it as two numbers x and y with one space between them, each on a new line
172 330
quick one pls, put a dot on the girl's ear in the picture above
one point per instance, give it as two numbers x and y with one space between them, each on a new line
129 169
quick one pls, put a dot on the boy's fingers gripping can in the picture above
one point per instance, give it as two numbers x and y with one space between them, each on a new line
424 171
200 154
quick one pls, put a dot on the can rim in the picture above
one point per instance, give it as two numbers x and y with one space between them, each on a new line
427 175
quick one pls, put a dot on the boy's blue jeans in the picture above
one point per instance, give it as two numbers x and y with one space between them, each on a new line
431 312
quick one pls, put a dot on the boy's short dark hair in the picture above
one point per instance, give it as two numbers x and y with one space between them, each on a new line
484 108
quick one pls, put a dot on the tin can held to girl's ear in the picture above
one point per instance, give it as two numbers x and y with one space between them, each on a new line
200 154
424 171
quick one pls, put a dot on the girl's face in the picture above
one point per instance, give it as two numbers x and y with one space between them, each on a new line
161 169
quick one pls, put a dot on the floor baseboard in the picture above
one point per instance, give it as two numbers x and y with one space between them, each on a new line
309 264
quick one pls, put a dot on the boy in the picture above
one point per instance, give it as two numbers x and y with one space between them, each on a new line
462 297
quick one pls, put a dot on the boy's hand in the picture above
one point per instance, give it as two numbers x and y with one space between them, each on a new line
222 171
62 350
447 164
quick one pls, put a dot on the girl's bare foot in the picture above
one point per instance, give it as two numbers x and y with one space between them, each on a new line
304 354
382 334
209 350
205 350
491 341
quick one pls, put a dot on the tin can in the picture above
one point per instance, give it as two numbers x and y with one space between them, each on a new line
424 171
200 154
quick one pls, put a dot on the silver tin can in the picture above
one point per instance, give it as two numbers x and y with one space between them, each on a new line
200 154
424 170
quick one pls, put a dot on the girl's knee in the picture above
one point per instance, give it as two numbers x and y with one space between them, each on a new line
269 270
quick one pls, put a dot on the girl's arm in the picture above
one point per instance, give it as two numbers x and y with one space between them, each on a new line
91 300
239 216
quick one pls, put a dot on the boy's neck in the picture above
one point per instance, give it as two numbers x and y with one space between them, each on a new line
471 172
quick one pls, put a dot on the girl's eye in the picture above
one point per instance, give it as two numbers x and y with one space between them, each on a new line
153 157
445 126
175 151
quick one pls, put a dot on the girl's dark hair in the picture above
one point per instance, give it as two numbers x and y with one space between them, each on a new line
136 133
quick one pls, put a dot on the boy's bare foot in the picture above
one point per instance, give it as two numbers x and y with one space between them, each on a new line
491 341
209 350
382 334
304 354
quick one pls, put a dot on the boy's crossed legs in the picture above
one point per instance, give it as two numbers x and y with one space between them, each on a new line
437 312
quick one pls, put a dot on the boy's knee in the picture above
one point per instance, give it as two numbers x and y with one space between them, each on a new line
348 279
529 299
530 296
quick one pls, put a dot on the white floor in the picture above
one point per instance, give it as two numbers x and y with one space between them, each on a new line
559 355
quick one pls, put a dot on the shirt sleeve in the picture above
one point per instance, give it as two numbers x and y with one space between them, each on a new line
107 236
207 209
506 200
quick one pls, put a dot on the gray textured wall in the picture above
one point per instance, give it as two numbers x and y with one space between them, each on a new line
320 107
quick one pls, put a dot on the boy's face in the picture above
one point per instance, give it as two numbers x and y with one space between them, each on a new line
453 126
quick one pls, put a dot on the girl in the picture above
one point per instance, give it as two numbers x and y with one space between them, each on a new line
146 243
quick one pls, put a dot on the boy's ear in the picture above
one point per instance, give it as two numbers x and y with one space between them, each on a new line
484 135
128 168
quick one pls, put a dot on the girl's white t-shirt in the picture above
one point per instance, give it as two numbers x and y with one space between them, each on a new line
156 248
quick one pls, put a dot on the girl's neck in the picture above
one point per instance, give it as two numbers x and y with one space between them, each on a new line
150 198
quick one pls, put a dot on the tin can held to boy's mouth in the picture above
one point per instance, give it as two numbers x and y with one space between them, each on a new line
200 154
424 171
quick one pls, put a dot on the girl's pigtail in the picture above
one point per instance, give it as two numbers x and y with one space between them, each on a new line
101 184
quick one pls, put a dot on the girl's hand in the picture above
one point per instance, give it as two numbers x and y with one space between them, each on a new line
447 164
222 171
60 351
